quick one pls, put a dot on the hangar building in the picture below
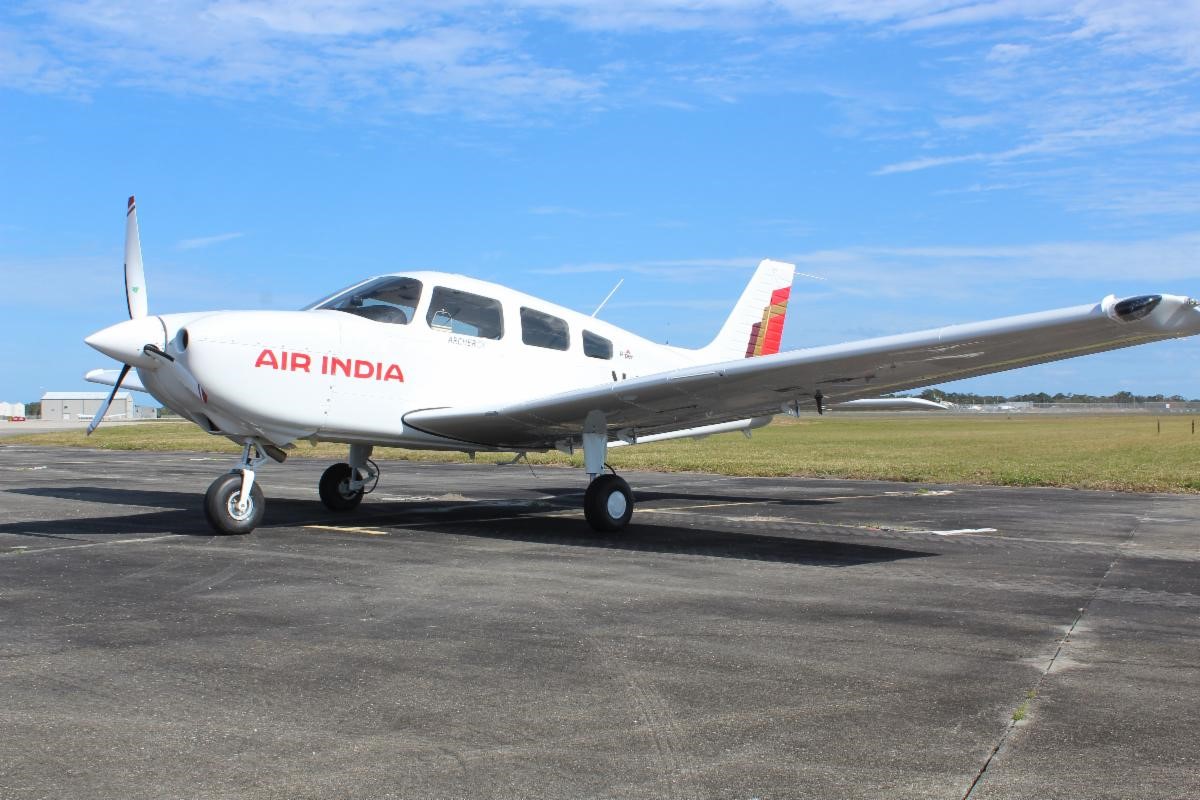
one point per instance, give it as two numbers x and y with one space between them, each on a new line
84 405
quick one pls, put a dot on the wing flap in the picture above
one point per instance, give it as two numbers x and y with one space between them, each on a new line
717 393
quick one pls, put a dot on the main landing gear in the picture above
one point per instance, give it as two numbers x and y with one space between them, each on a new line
343 485
608 501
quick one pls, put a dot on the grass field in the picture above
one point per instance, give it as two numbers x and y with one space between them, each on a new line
1123 453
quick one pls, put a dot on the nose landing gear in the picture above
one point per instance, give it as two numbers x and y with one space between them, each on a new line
234 503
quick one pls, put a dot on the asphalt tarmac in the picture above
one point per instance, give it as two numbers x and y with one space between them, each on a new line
466 635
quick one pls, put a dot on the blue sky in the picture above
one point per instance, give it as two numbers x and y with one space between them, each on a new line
930 161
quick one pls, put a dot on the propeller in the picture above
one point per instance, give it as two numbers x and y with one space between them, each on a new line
135 298
96 420
135 276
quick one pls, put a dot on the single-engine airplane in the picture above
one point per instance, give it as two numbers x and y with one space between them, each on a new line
437 361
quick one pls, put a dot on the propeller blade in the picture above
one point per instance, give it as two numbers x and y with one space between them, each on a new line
135 277
96 420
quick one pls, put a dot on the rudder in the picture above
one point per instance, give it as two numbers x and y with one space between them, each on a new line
755 327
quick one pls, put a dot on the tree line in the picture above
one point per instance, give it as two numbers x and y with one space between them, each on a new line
968 399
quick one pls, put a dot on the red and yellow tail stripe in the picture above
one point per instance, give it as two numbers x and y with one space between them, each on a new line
766 334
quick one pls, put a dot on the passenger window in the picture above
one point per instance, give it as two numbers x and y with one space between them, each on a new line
391 300
543 330
596 346
465 313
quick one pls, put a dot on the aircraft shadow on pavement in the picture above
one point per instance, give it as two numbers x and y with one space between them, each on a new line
526 521
179 513
108 495
699 495
515 520
641 537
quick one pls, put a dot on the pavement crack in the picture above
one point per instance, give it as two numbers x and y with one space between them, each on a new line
1030 695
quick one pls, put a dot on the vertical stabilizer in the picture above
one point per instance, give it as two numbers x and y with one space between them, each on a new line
755 327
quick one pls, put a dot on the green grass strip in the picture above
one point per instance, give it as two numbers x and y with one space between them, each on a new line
1114 452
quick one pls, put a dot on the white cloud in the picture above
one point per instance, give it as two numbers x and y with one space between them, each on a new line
929 162
413 53
950 273
1002 86
421 58
207 241
1008 52
568 211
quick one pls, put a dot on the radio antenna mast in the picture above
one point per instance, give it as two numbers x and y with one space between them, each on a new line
608 297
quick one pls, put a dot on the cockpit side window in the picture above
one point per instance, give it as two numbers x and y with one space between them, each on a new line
542 330
462 312
391 299
596 346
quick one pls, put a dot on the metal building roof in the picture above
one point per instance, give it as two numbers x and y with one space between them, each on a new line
84 396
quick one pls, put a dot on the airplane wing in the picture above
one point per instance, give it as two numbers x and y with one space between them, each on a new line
797 380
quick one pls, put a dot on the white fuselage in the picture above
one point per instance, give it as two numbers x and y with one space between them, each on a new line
329 375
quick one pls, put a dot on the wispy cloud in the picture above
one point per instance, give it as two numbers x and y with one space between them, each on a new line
206 241
567 211
666 268
482 56
421 58
950 272
1009 82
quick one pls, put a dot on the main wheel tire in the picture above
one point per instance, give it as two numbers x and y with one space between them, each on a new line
335 488
221 501
608 503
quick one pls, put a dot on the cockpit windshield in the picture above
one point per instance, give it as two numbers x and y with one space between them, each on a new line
388 299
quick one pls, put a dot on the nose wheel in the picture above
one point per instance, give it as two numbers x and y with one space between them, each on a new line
226 512
234 503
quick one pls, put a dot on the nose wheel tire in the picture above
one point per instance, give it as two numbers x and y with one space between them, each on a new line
335 489
608 503
221 505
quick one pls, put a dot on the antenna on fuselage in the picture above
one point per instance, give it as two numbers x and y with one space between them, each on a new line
608 297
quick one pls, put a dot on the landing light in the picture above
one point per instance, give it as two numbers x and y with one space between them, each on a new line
1135 308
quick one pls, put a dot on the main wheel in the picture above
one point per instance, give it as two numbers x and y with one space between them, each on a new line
608 503
335 489
221 505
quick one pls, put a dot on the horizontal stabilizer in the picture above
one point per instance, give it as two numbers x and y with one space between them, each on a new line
108 377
